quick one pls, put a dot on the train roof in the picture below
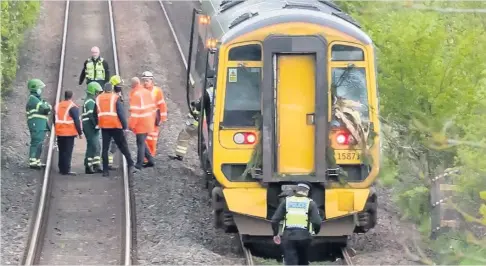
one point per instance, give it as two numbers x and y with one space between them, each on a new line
233 18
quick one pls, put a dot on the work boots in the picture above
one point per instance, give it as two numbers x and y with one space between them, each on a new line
88 170
176 157
97 168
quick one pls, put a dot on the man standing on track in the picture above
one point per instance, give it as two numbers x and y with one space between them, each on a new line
95 68
141 121
91 130
110 117
301 217
67 128
37 116
161 110
117 83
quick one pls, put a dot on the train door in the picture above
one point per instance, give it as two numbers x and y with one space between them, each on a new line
295 122
294 113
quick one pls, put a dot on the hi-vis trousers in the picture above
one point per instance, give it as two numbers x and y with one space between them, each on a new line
151 141
183 139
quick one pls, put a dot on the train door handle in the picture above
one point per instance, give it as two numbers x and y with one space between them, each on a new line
310 119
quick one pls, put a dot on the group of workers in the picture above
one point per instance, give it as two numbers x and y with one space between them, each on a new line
102 110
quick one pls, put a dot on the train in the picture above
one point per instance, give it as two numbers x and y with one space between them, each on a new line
295 98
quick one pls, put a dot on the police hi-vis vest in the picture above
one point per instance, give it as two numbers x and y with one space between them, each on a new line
297 209
95 72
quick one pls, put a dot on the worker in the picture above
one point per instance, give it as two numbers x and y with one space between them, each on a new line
91 130
301 219
141 121
117 83
192 123
95 68
161 110
111 119
67 127
37 117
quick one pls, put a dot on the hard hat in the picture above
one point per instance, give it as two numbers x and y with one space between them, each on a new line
35 84
108 87
147 74
304 185
93 88
116 80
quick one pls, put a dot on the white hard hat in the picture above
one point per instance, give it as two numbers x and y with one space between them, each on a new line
303 185
147 74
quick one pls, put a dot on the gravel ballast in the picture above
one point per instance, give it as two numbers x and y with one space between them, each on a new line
174 223
39 58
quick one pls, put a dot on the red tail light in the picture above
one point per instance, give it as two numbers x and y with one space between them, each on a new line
244 138
343 137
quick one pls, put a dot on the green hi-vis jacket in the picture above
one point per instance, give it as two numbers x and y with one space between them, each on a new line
87 115
37 113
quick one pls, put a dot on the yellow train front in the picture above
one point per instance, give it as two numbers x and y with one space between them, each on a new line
308 72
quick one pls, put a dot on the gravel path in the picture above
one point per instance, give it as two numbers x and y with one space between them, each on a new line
39 58
173 210
381 245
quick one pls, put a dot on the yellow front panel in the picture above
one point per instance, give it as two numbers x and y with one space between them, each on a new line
295 100
247 201
342 202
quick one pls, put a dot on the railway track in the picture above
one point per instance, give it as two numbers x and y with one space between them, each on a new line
347 254
83 219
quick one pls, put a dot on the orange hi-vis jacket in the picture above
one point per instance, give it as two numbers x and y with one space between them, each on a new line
64 123
159 100
142 108
107 115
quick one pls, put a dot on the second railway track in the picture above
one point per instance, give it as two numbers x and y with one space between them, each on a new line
83 219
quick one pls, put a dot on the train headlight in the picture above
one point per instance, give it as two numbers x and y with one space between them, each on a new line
204 20
244 138
239 138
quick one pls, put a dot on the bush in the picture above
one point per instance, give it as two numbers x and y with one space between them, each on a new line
17 17
432 85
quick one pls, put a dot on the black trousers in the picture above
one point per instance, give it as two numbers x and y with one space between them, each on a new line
296 252
142 150
119 137
65 144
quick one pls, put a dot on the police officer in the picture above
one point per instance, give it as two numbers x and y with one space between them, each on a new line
92 160
192 123
95 69
301 217
37 117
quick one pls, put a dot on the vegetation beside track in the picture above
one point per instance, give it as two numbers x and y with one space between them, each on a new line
432 83
17 17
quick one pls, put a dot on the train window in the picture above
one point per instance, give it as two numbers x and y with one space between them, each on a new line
346 53
242 96
349 83
250 52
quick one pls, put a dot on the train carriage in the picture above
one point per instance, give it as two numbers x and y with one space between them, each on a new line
306 71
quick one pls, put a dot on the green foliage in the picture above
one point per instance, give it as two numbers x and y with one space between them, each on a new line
17 16
432 85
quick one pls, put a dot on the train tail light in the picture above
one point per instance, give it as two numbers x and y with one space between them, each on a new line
343 137
244 138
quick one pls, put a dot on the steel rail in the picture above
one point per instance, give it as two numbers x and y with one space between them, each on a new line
246 252
184 60
33 241
126 184
346 257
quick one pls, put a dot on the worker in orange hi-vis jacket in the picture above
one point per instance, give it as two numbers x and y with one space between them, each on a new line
160 110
